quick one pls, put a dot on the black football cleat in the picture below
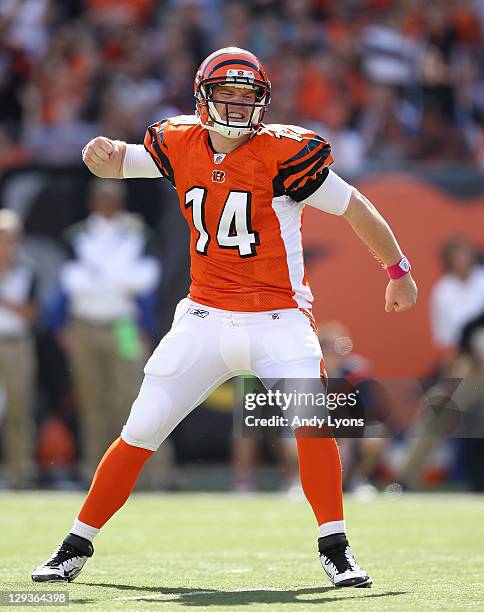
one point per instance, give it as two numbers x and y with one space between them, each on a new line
339 563
66 561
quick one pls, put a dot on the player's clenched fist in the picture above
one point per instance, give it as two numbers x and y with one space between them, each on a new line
401 294
98 150
104 157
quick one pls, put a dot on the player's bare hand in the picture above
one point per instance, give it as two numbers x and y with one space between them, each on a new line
104 157
401 294
98 150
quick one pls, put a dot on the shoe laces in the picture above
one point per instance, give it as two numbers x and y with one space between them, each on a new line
62 554
340 556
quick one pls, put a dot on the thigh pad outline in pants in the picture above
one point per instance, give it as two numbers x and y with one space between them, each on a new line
184 368
293 369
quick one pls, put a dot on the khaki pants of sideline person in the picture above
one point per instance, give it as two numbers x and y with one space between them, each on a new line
106 385
434 426
17 376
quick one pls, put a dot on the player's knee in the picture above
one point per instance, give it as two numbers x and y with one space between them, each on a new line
149 419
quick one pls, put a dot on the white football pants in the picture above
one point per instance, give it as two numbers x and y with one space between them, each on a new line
207 346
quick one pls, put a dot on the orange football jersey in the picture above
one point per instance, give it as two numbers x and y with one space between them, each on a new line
243 209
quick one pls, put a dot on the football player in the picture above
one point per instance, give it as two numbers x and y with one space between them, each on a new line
243 186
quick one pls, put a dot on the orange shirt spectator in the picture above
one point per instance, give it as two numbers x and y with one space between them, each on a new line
120 10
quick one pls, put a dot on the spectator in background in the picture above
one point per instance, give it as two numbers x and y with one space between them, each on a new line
407 76
360 456
458 296
327 101
246 447
28 24
134 91
14 72
470 400
13 154
389 55
456 299
384 137
455 405
119 12
17 354
389 59
109 312
54 125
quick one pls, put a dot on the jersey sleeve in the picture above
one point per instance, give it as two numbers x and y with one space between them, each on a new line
156 142
303 164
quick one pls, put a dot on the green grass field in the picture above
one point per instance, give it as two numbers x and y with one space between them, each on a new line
222 552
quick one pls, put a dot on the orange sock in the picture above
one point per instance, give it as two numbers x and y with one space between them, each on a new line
321 475
113 481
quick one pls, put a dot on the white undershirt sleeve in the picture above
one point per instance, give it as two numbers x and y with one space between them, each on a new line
333 196
138 163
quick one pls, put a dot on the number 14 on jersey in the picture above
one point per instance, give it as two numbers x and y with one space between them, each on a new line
234 226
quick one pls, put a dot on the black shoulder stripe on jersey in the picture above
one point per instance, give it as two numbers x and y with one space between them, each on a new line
310 187
162 162
231 62
168 170
278 187
322 153
307 148
294 185
157 162
159 129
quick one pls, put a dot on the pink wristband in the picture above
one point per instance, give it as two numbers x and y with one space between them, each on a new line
399 269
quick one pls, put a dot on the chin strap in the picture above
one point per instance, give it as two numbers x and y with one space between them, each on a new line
247 130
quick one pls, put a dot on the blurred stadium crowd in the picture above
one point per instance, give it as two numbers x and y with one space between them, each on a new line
391 84
386 81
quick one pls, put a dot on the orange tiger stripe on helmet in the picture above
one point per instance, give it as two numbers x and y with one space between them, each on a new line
238 59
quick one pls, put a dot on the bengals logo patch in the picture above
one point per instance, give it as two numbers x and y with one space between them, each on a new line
218 176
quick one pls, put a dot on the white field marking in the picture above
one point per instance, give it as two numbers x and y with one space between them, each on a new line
190 594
